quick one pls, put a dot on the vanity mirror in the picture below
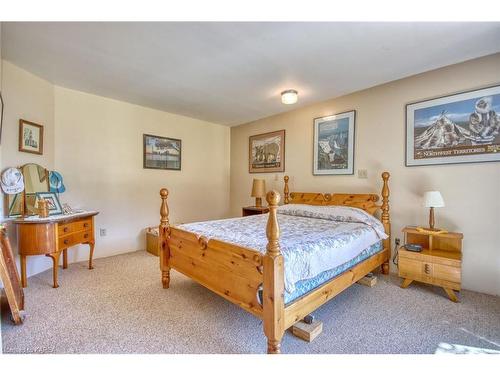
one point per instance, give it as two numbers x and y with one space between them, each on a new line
36 180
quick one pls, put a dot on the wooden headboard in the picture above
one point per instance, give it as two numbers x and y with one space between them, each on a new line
367 202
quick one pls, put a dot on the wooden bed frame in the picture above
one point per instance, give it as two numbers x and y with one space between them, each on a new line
236 273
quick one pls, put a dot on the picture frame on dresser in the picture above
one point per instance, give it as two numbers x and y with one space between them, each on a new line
333 148
457 128
30 137
54 205
266 152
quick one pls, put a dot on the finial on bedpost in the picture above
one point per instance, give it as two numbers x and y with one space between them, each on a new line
273 301
273 230
163 237
286 190
386 220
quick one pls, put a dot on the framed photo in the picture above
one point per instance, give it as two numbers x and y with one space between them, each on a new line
162 152
459 128
53 202
334 144
266 152
30 137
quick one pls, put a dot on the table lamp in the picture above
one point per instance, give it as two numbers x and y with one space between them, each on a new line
258 191
433 199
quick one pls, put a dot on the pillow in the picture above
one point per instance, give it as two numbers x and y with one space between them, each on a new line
335 213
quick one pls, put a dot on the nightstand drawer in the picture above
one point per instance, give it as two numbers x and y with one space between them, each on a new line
413 269
447 273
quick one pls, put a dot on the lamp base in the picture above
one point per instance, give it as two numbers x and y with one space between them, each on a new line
258 202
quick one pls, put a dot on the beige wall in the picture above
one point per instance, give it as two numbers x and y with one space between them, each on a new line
96 143
470 190
31 98
99 153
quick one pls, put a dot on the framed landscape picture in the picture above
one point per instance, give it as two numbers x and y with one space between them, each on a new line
30 137
460 128
161 152
334 144
267 152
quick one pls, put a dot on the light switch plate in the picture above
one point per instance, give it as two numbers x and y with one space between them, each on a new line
362 173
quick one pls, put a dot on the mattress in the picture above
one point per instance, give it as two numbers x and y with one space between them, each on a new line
313 239
305 286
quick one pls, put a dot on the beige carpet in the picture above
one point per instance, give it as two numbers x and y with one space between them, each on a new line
120 307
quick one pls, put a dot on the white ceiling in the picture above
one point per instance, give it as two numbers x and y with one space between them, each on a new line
232 73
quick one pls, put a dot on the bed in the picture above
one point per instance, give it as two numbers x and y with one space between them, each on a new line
327 243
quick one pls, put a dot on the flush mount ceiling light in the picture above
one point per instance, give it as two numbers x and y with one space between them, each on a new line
289 96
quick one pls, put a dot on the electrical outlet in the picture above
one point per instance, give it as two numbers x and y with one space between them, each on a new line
102 232
362 173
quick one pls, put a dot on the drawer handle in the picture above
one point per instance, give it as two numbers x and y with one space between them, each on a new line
427 269
86 235
65 229
66 242
86 225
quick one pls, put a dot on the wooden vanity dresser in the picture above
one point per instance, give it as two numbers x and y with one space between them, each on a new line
52 236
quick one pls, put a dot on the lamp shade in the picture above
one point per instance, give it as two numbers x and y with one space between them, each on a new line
258 188
433 199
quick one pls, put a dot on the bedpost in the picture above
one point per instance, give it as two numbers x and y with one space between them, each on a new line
163 237
286 191
273 293
386 221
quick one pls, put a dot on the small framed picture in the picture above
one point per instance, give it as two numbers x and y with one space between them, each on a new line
53 202
30 137
334 144
267 152
161 152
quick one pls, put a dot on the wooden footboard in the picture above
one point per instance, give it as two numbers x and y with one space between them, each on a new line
233 272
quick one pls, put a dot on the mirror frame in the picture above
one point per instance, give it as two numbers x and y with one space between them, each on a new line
23 193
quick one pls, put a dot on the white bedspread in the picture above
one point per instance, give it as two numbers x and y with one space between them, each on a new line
313 239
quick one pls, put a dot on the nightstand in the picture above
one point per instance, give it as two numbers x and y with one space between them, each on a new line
252 210
439 263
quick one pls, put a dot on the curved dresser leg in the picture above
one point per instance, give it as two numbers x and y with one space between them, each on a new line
91 245
55 266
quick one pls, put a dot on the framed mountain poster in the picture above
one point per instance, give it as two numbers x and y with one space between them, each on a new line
460 128
334 144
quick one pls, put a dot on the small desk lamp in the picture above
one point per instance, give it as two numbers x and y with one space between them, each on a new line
258 191
433 199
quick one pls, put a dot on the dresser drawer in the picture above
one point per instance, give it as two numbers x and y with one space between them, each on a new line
65 229
75 239
82 225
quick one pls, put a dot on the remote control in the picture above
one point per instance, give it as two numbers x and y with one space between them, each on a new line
413 247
